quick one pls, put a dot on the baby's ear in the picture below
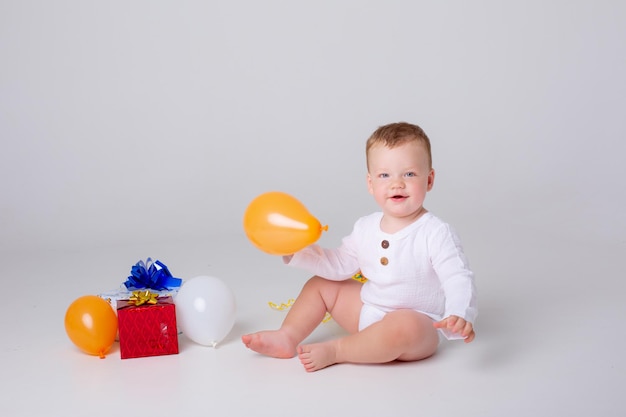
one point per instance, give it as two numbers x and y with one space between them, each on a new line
431 179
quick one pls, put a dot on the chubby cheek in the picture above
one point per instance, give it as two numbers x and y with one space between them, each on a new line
379 195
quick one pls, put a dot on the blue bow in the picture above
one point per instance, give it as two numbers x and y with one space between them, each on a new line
153 275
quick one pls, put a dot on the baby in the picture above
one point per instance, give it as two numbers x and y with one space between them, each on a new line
419 285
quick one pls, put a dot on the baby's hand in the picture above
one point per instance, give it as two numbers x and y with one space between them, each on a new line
458 325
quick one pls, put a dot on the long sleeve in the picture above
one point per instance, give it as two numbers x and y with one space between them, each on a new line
452 268
333 264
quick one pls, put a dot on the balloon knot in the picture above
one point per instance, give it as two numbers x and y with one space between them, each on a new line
325 228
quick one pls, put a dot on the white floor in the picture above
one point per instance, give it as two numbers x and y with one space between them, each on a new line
550 341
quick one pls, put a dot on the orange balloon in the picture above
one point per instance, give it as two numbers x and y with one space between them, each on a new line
278 224
91 324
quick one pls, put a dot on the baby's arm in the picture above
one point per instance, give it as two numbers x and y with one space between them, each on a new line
337 264
457 325
457 282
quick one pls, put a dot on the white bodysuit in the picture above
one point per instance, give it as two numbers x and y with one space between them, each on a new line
421 267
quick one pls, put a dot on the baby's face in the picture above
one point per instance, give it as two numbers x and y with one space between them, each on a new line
399 179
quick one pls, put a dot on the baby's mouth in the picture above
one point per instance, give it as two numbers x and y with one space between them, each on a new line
398 197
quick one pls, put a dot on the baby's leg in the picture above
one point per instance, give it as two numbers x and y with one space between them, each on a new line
401 335
318 296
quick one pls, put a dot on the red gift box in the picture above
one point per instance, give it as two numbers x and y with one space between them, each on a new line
147 329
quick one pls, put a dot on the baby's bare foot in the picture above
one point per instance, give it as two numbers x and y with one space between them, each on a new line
317 356
274 343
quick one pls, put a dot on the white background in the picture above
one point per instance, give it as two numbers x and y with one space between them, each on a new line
143 128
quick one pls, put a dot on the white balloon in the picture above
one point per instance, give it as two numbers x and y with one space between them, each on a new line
205 310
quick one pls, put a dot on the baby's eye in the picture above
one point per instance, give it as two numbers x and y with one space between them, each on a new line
383 175
410 174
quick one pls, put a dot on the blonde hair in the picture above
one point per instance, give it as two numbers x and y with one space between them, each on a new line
396 134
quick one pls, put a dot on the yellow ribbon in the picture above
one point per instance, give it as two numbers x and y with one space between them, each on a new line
143 297
282 306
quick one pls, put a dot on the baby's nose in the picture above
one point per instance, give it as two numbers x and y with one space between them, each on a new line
397 182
